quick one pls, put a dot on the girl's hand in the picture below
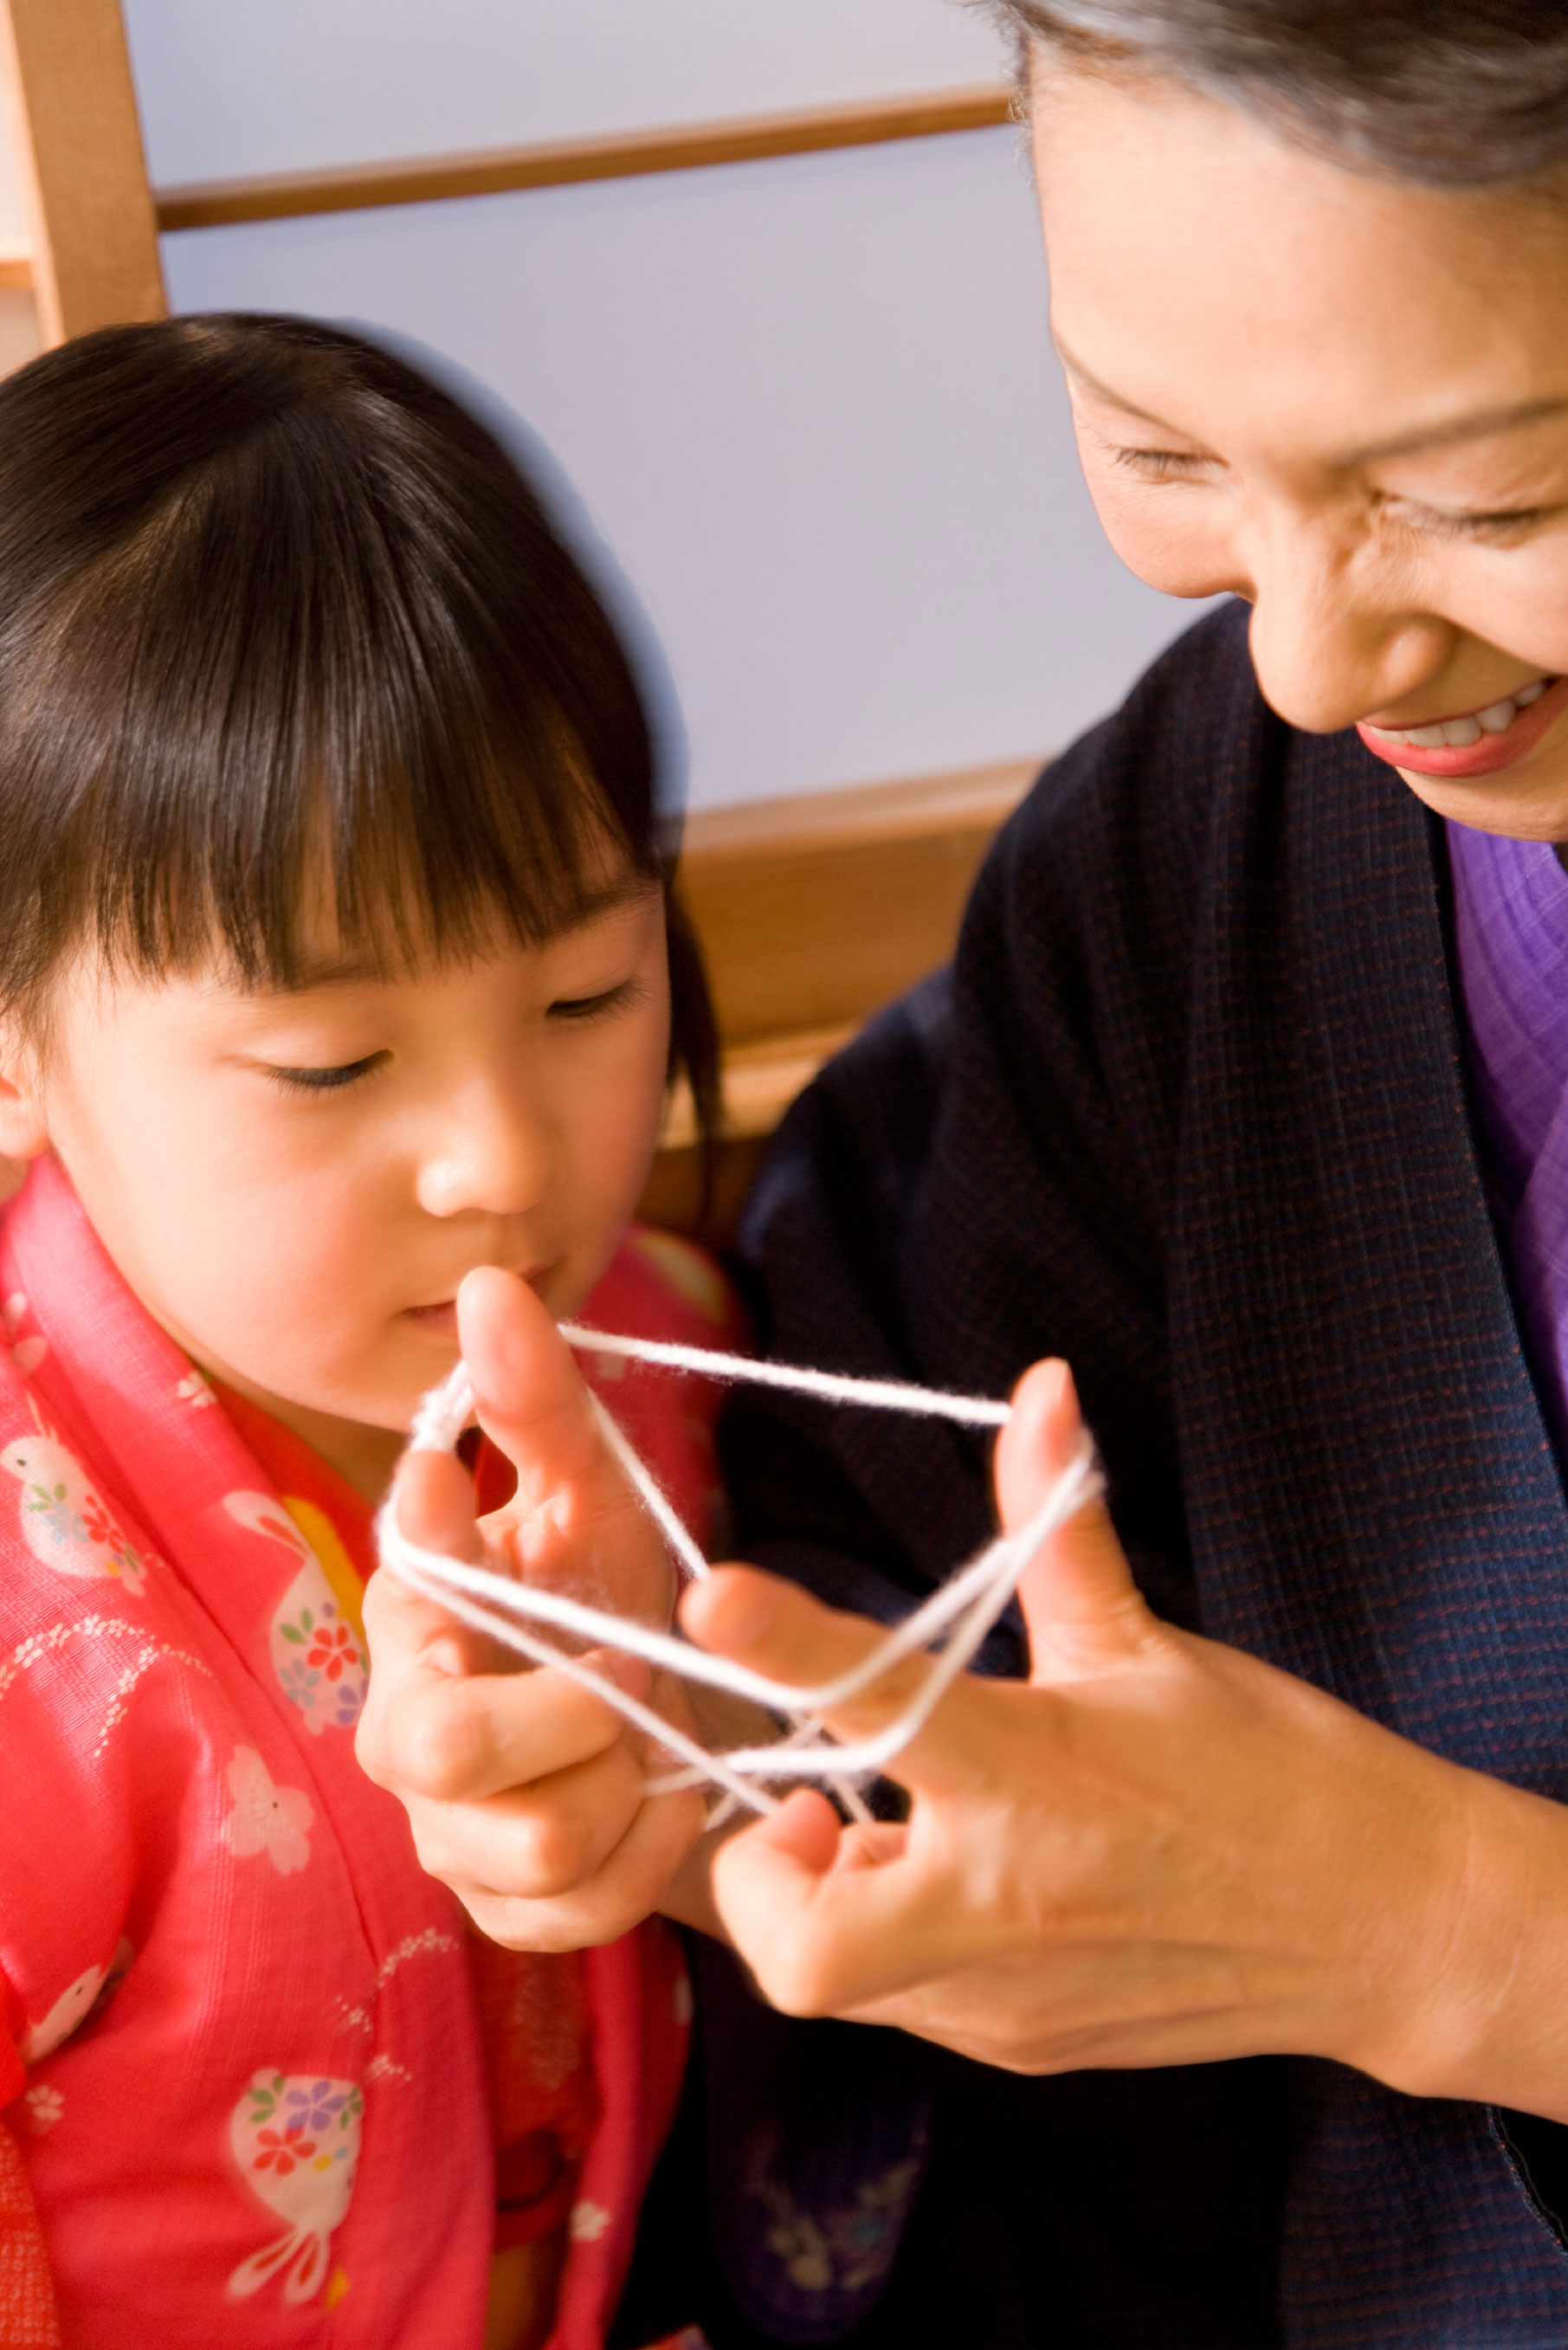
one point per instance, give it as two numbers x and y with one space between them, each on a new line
1156 1851
524 1791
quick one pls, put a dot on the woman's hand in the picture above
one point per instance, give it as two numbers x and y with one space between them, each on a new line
524 1791
1156 1851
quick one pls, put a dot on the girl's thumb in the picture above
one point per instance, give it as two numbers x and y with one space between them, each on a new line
1083 1610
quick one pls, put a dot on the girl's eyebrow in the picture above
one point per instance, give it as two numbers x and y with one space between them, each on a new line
1421 438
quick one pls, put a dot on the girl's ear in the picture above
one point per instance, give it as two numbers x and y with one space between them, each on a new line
24 1126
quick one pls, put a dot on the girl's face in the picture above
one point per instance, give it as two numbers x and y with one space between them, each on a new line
1343 399
295 1184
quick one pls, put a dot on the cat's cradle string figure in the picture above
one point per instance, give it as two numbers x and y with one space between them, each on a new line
953 1622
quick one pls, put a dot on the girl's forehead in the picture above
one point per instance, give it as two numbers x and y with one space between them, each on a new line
1224 279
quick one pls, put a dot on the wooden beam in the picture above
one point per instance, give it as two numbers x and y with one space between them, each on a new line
356 187
813 912
78 145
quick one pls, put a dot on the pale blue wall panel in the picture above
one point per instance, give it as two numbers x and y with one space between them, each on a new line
811 406
233 87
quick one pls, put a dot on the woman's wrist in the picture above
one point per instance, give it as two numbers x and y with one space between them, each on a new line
1474 2003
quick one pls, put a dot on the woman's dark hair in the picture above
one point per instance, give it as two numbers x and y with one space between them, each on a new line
1447 93
267 597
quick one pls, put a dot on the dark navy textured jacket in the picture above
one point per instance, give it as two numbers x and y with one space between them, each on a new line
1192 1113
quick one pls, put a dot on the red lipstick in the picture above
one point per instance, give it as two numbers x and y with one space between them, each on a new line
1488 757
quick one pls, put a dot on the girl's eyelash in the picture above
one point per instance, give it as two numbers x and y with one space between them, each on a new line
324 1081
597 1007
351 1073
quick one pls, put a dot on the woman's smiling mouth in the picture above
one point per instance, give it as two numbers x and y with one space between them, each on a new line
1473 742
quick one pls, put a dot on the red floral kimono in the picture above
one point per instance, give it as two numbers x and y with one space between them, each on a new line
260 2085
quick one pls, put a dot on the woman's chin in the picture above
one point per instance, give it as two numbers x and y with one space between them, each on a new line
1528 802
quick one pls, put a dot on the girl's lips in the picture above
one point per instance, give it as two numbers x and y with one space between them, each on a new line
440 1321
1486 757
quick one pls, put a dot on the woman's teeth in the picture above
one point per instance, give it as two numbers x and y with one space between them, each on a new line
1458 733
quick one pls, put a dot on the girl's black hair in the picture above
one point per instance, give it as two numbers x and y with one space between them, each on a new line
267 597
1443 93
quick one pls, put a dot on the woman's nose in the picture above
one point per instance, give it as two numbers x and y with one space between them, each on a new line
1332 638
490 1151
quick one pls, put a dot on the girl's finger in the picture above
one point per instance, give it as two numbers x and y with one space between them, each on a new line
408 1634
574 1513
434 1500
461 1738
531 1396
541 1841
629 1885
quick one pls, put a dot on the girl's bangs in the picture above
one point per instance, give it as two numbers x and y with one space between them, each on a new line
309 705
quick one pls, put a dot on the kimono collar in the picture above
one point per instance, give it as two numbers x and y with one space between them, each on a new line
1511 938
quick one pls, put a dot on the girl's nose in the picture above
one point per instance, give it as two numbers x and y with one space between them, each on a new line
490 1152
1332 642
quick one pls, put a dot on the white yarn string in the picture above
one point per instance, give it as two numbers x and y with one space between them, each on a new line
651 1493
877 1395
959 1615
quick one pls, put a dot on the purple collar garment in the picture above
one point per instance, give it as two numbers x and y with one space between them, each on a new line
1511 929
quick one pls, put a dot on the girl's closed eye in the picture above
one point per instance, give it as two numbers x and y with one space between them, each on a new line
600 1006
326 1080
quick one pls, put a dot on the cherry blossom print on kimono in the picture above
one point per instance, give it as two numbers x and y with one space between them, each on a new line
253 2108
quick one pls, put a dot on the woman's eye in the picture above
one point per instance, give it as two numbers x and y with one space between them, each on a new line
1497 528
596 1007
1161 465
323 1081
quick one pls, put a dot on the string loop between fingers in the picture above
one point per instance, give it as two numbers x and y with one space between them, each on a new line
954 1621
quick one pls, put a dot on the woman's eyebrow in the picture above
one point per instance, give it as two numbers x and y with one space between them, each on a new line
1091 383
1474 427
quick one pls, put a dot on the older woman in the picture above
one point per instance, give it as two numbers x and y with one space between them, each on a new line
1247 1097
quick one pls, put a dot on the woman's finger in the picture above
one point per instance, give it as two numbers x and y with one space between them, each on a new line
776 1628
1082 1609
820 1936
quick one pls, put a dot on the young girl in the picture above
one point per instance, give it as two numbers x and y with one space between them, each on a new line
337 959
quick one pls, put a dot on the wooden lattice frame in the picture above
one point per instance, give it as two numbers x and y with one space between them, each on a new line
92 232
